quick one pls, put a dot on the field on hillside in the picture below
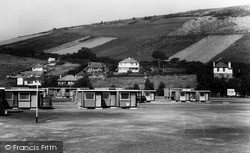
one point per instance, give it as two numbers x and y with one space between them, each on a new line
51 40
169 81
139 29
207 48
23 38
12 64
143 49
239 52
73 47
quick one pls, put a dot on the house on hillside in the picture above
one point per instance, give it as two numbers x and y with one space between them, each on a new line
222 70
96 67
68 80
128 64
31 81
50 60
38 67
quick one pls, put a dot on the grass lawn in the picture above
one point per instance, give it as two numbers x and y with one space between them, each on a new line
166 127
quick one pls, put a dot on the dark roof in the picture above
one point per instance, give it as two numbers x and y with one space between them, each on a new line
95 65
129 60
221 65
68 78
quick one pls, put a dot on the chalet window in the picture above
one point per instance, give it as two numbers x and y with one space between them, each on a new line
125 96
202 94
223 69
9 96
182 94
24 96
218 69
105 95
90 95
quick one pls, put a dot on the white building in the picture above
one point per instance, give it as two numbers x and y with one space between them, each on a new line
128 64
33 81
51 60
221 70
38 68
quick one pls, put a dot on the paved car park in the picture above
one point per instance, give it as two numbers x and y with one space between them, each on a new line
160 127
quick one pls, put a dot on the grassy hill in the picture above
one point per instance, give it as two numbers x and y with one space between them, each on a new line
139 37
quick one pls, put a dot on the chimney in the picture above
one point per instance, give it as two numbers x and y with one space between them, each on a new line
60 76
229 65
213 64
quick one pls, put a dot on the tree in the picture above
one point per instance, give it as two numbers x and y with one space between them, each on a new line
136 86
50 82
160 89
84 82
159 55
149 85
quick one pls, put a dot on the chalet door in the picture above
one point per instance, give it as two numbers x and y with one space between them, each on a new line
98 99
33 101
112 99
133 100
15 100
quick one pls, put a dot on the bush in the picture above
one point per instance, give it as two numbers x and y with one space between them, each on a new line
149 85
160 89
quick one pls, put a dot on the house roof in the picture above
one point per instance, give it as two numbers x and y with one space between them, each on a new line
221 65
129 60
38 66
95 65
68 78
31 73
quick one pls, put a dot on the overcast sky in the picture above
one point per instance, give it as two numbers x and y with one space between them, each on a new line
22 17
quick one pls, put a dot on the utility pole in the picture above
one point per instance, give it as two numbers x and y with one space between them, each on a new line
37 94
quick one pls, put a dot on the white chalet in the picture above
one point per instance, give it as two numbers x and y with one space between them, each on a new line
222 70
128 64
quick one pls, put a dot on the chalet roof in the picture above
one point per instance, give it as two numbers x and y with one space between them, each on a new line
129 60
221 65
95 65
68 78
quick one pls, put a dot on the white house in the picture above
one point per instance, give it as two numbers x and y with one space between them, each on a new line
128 64
38 67
222 70
51 60
33 81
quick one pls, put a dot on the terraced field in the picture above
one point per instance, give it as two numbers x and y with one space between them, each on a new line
207 48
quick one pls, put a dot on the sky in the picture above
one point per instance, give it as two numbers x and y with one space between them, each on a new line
23 17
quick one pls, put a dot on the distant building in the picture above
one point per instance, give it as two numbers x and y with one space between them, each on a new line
68 80
33 81
128 64
38 67
222 70
50 60
95 67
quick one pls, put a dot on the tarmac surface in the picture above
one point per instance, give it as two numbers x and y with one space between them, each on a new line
153 127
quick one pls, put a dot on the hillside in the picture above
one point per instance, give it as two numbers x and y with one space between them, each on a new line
139 37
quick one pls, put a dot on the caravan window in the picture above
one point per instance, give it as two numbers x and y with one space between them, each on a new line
90 95
24 96
9 96
125 96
